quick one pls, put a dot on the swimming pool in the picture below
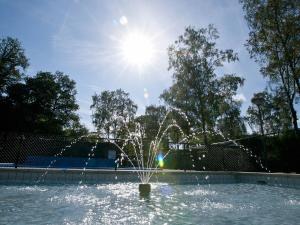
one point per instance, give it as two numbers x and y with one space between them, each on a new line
120 203
56 196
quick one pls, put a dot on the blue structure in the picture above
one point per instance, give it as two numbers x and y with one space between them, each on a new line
67 162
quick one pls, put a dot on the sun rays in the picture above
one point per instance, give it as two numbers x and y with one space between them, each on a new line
137 49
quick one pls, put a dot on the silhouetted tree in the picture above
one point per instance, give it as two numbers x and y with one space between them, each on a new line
13 62
274 42
111 110
268 113
152 120
76 129
44 103
196 90
230 122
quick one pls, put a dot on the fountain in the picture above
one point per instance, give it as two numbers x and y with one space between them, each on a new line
148 161
148 157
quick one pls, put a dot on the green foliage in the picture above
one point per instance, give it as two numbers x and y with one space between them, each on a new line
196 90
13 62
152 120
111 111
268 113
230 122
76 129
260 112
52 95
274 42
45 103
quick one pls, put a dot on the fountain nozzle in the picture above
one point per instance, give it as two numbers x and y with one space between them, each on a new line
145 190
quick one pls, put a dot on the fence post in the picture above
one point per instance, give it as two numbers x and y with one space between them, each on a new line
264 153
19 146
4 148
223 158
185 157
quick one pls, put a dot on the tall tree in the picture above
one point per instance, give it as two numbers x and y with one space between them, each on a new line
111 110
76 129
53 95
230 122
45 103
13 62
268 113
152 120
194 58
260 112
274 42
281 113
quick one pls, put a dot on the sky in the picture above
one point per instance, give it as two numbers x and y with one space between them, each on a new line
85 40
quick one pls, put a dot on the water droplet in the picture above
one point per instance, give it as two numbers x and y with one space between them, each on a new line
206 177
116 177
203 167
203 156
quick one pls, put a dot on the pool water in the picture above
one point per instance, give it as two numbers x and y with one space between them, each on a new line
168 204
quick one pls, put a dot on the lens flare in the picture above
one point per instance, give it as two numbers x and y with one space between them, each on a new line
160 159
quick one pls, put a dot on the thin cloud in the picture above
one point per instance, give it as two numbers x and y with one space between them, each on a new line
240 97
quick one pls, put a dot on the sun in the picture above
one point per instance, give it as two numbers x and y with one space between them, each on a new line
137 49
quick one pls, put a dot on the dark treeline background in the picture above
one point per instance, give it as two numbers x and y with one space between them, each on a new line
43 103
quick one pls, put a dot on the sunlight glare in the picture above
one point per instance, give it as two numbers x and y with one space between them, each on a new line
137 49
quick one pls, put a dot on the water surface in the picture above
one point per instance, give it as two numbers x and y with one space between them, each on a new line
168 204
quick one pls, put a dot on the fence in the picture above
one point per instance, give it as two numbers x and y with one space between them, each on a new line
28 150
212 158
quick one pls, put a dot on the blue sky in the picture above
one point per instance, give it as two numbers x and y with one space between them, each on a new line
82 39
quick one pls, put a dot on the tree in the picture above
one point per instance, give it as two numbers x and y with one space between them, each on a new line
194 58
274 42
260 112
76 129
281 113
152 120
230 122
268 113
45 103
111 110
13 62
53 99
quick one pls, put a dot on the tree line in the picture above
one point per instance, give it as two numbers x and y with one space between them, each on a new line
274 42
209 99
46 102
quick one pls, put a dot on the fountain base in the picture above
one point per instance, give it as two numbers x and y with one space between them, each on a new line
145 190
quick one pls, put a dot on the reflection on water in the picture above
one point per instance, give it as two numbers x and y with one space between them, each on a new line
167 204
